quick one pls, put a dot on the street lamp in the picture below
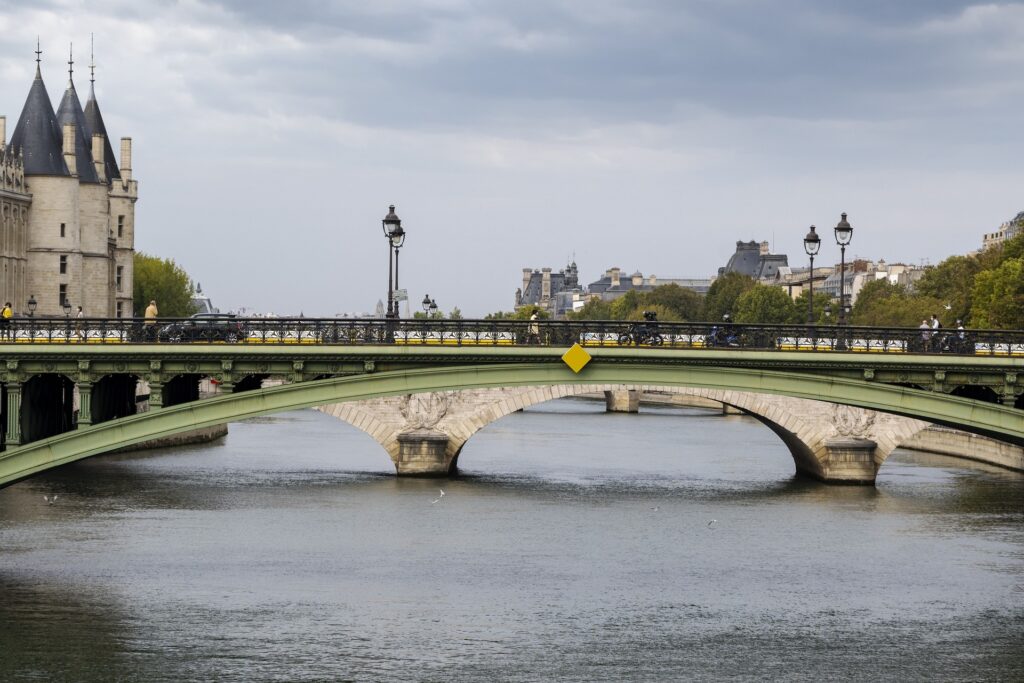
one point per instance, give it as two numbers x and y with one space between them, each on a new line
32 303
811 245
67 308
429 306
844 233
392 226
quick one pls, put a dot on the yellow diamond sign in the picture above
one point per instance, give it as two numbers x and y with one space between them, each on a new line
576 357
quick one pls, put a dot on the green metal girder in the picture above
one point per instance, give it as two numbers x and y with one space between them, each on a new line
982 418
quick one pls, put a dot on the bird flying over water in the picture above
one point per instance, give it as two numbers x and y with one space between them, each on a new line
712 523
50 500
439 497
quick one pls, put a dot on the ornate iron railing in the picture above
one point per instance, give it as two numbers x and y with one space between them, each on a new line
559 333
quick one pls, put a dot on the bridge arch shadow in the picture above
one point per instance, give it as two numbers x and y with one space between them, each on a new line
1000 422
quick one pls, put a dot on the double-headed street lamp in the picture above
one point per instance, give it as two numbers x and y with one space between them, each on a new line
429 305
811 245
844 233
392 225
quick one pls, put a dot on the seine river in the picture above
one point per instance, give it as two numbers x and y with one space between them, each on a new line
577 546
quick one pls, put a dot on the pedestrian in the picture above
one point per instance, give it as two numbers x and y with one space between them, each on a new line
150 316
935 322
5 321
534 336
79 330
926 333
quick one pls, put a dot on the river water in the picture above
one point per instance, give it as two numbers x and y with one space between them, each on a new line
577 546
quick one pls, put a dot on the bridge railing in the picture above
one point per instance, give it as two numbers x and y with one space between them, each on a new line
558 333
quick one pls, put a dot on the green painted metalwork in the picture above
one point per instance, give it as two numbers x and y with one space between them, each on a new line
390 371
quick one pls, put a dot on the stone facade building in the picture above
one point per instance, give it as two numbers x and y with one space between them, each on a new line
67 208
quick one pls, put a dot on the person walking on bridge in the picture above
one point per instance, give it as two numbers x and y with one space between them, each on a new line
5 321
150 316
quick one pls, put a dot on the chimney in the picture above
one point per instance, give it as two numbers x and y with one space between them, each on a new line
545 283
638 279
126 159
3 132
765 249
97 156
653 281
614 272
526 279
69 148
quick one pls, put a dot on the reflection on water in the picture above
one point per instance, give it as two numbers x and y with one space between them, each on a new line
576 546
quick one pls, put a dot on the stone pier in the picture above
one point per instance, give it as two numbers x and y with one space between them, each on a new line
622 401
423 453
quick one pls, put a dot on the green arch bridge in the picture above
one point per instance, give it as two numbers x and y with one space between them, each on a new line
326 362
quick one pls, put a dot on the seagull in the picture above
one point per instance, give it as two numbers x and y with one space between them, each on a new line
439 497
655 508
712 523
49 500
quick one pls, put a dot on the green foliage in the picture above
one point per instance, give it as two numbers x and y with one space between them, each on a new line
456 314
951 282
523 313
670 301
595 309
999 296
678 303
163 281
723 293
821 300
765 304
883 304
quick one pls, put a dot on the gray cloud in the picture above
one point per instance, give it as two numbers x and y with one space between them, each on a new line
646 134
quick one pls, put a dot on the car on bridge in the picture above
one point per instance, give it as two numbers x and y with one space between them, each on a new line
204 327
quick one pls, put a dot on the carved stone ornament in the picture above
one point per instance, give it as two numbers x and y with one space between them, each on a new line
852 421
424 411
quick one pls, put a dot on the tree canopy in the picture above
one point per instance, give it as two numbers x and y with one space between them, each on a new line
765 304
163 281
723 294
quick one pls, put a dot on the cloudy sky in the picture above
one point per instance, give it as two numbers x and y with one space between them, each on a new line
271 136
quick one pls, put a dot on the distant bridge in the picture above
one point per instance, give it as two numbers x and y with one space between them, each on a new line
971 385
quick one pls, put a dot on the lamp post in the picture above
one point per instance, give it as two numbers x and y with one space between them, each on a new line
67 308
811 245
32 303
429 306
844 233
392 226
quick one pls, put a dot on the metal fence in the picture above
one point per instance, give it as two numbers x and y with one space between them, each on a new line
555 333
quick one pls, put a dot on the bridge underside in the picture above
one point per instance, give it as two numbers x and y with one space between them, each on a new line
1000 422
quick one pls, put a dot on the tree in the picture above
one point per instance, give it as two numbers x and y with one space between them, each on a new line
594 309
765 304
883 304
163 281
951 282
723 293
521 313
456 314
678 302
821 300
999 296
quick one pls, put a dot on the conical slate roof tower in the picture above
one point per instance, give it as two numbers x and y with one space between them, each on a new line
70 111
37 136
94 119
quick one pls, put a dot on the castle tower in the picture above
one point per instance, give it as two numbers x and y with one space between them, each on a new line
76 207
53 230
122 194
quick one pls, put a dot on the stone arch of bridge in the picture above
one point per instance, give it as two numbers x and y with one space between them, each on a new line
811 430
1000 422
